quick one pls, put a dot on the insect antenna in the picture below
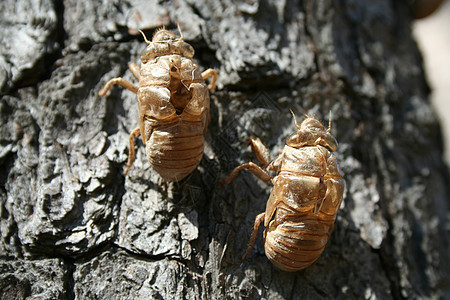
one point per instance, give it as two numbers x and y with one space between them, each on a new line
145 38
329 123
295 120
179 30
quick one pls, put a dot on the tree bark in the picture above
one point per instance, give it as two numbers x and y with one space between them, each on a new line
73 226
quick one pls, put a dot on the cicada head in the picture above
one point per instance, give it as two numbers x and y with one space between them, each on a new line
311 132
163 35
165 42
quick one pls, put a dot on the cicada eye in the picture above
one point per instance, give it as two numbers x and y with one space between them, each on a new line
292 140
188 50
146 55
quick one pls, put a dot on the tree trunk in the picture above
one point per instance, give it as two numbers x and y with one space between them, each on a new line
73 226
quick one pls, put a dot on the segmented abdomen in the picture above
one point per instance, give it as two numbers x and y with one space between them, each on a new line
295 245
175 151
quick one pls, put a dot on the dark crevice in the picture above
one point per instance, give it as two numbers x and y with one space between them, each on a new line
195 10
388 260
309 35
386 265
6 164
61 34
69 280
151 258
120 181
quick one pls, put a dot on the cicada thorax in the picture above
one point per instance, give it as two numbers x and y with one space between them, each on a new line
301 209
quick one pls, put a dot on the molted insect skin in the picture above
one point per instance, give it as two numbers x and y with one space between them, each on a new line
306 195
173 105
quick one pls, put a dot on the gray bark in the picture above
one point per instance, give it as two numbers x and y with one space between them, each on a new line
73 226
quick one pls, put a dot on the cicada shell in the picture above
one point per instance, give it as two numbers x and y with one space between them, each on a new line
307 193
173 105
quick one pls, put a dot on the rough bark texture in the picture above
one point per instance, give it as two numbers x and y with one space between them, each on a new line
72 226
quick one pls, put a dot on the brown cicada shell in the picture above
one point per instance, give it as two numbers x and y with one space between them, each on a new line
306 195
173 105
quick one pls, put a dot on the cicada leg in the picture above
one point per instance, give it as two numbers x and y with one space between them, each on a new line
260 150
258 220
263 156
208 73
131 152
119 81
252 167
